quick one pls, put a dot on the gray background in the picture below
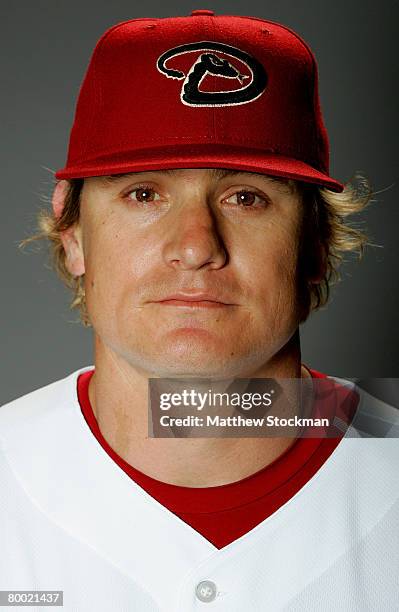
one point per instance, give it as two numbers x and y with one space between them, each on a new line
45 51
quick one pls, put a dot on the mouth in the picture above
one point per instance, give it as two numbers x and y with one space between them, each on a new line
192 303
193 300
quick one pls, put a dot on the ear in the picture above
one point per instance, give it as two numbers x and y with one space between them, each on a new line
71 238
320 265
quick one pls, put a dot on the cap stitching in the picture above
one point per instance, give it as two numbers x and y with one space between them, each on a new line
97 52
287 152
96 82
212 24
314 68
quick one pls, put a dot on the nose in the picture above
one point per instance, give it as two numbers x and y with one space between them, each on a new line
194 242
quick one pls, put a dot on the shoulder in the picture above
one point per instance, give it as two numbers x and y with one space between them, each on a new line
373 417
30 411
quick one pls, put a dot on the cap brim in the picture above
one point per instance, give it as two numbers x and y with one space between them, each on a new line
200 156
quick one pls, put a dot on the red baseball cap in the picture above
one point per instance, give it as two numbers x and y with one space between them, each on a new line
203 91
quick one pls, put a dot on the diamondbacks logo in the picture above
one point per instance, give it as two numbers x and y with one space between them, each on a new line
204 61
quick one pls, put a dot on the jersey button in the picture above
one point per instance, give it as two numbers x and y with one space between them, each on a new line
202 12
206 591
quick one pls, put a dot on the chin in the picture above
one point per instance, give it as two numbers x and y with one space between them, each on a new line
187 371
214 365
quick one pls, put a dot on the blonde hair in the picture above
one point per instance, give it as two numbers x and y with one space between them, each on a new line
325 230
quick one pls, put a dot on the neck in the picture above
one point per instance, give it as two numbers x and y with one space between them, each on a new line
118 394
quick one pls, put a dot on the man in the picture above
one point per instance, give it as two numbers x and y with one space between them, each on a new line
198 225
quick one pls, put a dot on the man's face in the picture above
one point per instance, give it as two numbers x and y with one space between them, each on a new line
233 236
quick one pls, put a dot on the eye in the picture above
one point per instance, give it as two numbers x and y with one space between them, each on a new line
142 194
247 198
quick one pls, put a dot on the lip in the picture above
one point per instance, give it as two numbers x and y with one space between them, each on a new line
193 300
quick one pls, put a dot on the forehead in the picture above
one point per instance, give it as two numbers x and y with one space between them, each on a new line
217 174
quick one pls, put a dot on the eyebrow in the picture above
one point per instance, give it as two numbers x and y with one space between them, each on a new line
218 173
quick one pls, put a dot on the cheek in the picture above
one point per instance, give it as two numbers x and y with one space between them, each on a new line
116 261
273 274
108 270
272 262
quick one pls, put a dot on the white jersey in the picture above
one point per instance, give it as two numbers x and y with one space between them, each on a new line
72 520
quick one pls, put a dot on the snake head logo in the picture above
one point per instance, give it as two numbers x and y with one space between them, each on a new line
212 61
